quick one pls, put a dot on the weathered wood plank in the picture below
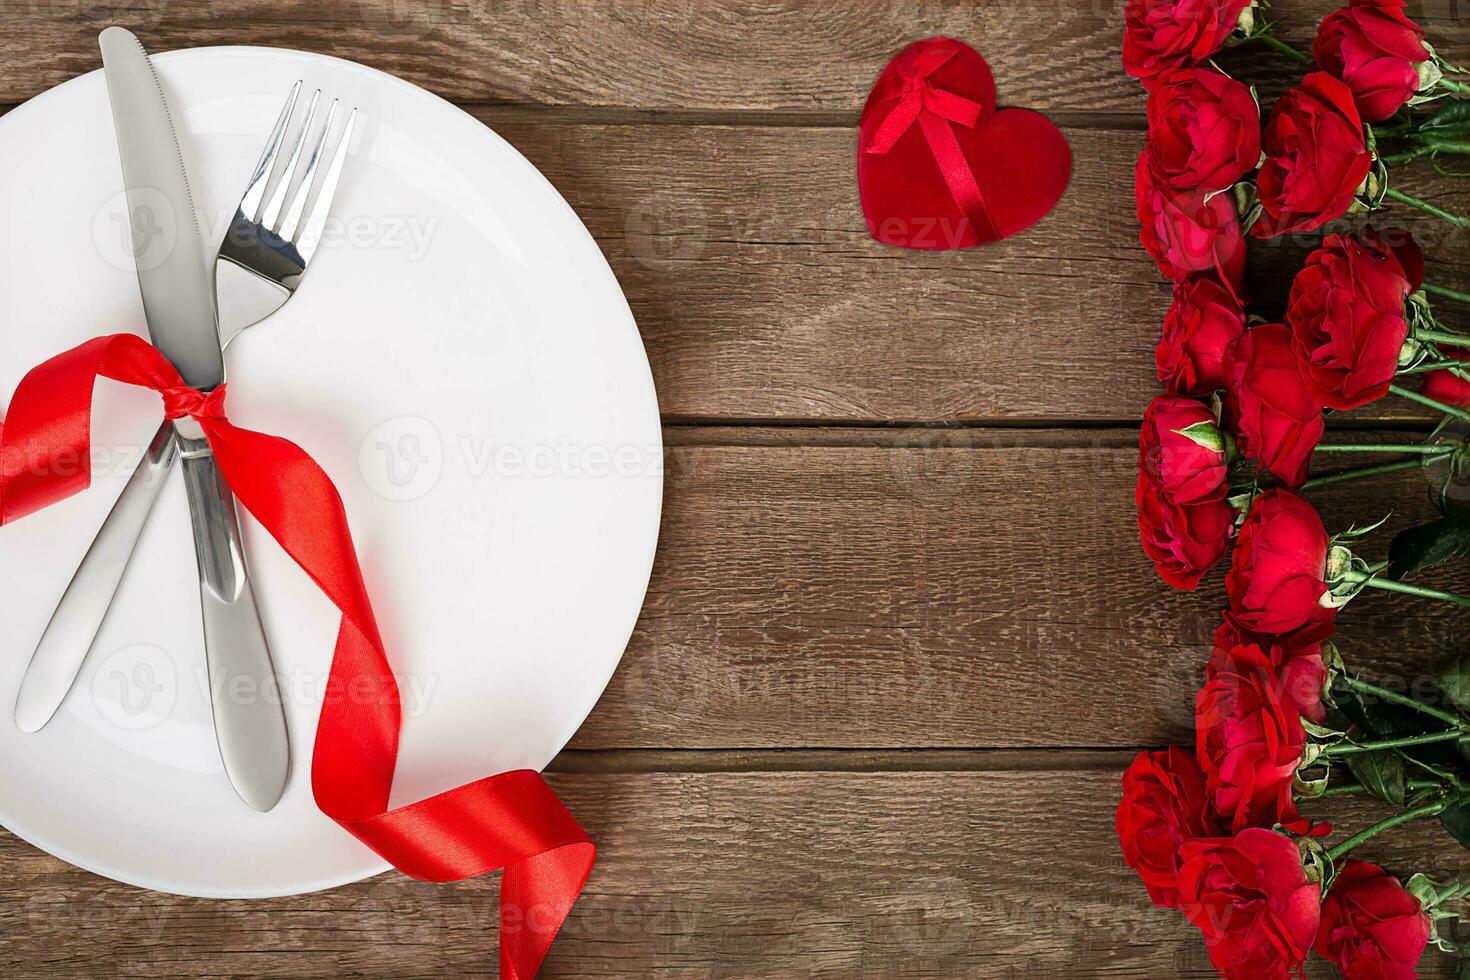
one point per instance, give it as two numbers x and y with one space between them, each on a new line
984 592
780 874
760 295
782 55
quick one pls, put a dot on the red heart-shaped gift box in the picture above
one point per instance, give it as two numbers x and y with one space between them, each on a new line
939 167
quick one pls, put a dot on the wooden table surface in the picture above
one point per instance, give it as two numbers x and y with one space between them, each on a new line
900 639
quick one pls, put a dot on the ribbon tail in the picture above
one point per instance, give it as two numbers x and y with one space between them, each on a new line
958 176
513 820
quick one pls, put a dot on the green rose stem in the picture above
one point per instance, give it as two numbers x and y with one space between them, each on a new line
1402 742
1373 690
1356 789
1457 366
1434 290
1368 447
1443 337
1459 221
1427 810
1278 45
1323 481
1392 585
1428 402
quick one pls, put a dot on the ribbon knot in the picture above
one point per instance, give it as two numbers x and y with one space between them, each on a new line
182 400
936 111
919 95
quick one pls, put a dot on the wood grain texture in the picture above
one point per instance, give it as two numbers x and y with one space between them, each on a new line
736 875
760 296
827 750
778 55
986 591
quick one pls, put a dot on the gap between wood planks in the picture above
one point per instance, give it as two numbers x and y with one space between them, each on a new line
599 761
977 435
498 113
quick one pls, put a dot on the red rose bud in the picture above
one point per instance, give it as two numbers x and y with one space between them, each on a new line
1163 805
1448 387
1204 320
1316 157
1163 34
1347 316
1274 416
1250 897
1371 926
1298 670
1188 232
1278 570
1377 50
1204 130
1182 450
1249 740
1183 541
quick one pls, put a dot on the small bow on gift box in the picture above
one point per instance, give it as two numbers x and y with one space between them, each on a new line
931 144
512 820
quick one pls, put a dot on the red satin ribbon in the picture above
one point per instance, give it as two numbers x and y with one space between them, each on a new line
937 111
512 821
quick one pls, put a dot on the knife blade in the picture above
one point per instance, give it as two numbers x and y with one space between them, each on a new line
179 303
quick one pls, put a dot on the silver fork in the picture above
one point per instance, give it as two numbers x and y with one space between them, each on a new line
260 264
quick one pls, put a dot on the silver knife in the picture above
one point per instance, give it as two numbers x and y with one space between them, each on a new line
179 303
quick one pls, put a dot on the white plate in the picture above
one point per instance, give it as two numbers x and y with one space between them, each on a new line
462 363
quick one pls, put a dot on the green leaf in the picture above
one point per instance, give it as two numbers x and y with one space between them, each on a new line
1421 547
1454 680
1456 820
1453 118
1380 773
1206 435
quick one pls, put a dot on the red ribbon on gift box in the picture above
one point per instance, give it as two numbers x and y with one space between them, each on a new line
936 111
513 820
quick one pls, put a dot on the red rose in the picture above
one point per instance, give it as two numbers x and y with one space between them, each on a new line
1273 415
1249 740
1347 315
1446 386
1277 572
1204 130
1299 673
1183 541
1163 805
1200 326
1185 233
1371 927
1250 897
1316 157
1187 469
1163 34
1375 48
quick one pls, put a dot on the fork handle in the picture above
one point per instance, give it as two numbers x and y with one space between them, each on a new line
249 715
83 607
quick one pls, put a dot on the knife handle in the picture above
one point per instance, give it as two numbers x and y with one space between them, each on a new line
83 607
249 714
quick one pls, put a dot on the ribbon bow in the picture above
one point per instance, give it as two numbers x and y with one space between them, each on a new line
512 821
937 111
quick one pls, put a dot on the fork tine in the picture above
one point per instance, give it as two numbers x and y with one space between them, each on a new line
278 199
298 202
255 190
311 231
